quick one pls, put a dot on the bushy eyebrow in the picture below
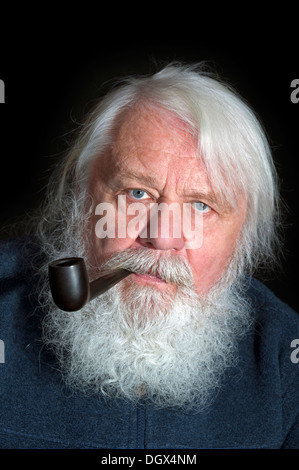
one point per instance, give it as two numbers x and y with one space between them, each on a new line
131 174
207 196
197 195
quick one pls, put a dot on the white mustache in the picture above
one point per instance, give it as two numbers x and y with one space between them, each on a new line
170 268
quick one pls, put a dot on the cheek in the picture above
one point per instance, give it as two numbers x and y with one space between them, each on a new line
210 260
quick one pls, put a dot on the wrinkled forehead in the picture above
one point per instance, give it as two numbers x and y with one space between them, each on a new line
152 142
156 128
149 138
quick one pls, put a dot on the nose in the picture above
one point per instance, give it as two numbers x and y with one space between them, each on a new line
164 228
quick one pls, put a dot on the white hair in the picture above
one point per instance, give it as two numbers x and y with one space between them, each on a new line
180 357
231 144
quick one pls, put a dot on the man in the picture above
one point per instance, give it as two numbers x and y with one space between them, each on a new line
171 178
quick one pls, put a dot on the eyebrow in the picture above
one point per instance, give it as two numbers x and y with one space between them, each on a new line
138 176
194 193
197 193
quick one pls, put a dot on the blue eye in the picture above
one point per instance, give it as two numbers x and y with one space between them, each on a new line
138 193
202 207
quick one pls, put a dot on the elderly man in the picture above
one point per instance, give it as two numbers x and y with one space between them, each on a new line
171 178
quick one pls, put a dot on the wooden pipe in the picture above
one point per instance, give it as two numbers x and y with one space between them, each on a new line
70 285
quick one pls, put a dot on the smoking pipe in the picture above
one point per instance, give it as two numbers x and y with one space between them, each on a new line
70 286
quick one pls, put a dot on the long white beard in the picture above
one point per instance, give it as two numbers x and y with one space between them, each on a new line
136 341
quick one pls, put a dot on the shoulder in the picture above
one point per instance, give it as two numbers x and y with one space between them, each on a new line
269 309
276 324
16 256
18 277
275 337
10 256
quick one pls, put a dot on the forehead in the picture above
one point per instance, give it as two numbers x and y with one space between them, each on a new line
156 150
157 130
157 143
154 147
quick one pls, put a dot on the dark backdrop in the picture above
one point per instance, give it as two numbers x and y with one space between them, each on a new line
54 71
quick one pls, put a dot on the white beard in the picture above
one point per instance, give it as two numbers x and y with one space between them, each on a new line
136 341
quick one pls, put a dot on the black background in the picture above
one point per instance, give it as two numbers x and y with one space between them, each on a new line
55 67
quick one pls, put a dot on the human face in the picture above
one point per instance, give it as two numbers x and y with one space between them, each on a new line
154 159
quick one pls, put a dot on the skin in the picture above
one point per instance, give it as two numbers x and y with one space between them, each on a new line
154 152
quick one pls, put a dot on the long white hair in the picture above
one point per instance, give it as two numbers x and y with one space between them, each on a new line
180 356
231 144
